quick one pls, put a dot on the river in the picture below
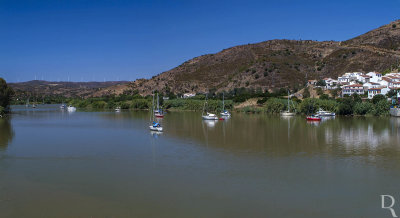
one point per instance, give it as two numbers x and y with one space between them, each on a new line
108 164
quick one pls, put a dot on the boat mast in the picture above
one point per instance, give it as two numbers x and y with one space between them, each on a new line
158 105
288 104
204 106
152 108
223 102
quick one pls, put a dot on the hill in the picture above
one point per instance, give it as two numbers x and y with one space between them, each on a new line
280 63
67 89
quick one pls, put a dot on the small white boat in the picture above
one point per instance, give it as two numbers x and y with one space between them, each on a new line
71 108
210 116
118 109
323 113
225 113
288 113
62 107
156 127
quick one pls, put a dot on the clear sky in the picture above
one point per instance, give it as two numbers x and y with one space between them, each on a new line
124 40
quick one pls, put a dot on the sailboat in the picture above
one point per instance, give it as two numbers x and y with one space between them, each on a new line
62 106
287 113
154 125
27 103
224 113
313 117
208 116
158 113
71 108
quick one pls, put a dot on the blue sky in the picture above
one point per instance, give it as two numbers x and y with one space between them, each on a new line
124 40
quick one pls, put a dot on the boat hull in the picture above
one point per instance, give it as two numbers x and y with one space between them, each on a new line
287 114
210 118
395 112
158 129
313 118
71 109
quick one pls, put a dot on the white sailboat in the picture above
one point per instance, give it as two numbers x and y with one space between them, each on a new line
27 103
224 113
208 116
323 113
62 106
287 113
70 108
154 125
158 113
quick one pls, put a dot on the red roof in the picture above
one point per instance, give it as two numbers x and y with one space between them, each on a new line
355 85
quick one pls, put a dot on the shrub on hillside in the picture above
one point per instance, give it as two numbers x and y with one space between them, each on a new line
363 108
378 98
381 108
274 105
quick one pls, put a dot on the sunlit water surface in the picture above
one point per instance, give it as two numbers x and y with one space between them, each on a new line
108 164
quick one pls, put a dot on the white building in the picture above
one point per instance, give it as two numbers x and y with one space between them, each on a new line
364 78
370 85
330 83
375 76
189 95
377 91
351 89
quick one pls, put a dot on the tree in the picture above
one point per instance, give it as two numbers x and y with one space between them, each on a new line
321 83
6 93
378 98
356 98
391 93
335 92
306 93
319 91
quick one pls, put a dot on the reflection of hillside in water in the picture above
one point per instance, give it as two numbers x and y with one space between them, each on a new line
273 134
6 133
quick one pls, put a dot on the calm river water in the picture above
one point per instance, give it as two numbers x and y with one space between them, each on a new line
108 164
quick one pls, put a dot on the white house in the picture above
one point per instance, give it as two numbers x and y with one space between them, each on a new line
330 83
364 78
351 89
377 91
394 85
312 82
370 85
189 95
375 76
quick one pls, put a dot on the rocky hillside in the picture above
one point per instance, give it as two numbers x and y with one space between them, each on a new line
280 63
67 89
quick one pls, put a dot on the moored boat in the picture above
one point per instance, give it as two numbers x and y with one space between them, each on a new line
313 118
394 111
323 113
287 113
71 108
154 126
210 116
224 113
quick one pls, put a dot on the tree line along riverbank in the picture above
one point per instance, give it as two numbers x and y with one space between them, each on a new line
266 102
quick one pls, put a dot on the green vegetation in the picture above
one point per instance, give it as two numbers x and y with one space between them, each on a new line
5 96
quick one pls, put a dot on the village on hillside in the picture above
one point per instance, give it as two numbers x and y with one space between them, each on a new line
372 83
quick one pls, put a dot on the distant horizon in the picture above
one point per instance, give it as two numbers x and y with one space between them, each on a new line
97 41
